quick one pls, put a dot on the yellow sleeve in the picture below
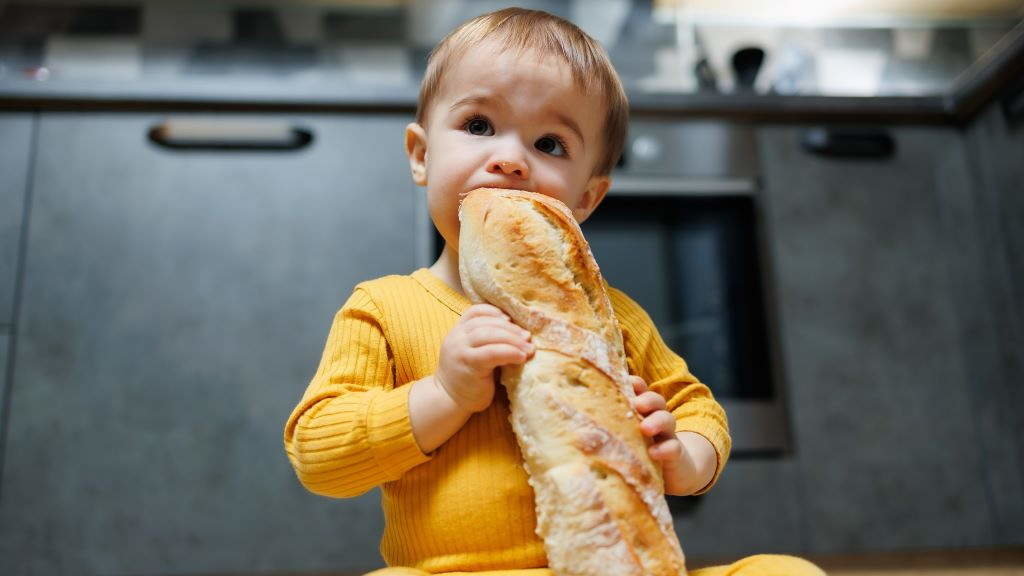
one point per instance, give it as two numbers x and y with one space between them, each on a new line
351 431
689 400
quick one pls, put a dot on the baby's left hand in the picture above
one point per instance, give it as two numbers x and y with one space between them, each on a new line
679 470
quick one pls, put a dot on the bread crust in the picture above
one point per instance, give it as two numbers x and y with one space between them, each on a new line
600 501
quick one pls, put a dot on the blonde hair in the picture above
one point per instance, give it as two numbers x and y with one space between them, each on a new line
521 30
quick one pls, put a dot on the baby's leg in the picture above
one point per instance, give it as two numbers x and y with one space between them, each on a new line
516 572
763 565
398 571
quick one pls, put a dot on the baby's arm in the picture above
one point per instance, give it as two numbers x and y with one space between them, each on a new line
483 339
351 430
687 459
698 420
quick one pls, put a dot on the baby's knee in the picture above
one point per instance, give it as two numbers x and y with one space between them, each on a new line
780 565
398 571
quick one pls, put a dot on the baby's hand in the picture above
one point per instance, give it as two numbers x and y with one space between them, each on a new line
659 424
483 339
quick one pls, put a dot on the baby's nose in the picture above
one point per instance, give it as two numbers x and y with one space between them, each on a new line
514 168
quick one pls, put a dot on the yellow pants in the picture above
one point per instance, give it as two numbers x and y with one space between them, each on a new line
760 565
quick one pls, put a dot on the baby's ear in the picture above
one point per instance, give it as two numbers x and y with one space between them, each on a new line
597 187
416 149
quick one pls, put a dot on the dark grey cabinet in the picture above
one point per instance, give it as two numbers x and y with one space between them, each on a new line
885 422
176 303
4 343
753 509
990 279
15 150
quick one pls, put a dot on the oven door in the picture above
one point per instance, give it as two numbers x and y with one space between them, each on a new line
689 251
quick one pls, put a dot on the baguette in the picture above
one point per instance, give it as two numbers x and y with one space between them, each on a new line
600 502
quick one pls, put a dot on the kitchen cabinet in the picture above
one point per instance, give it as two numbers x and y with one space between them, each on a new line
4 343
753 509
15 150
990 278
176 303
885 424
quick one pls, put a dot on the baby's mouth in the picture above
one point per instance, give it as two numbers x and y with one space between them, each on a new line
462 195
497 187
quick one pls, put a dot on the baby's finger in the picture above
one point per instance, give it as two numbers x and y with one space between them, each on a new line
474 323
660 422
670 449
639 386
494 355
649 402
477 310
495 332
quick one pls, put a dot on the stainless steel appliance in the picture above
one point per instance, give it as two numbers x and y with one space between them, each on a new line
681 233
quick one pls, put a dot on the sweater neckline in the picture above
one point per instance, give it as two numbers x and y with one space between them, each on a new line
443 292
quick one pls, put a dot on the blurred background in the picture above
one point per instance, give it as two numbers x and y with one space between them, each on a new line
821 205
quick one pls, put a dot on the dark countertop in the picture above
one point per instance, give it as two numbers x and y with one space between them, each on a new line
984 80
254 94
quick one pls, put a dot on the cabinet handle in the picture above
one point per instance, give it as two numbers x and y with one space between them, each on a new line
198 134
866 143
625 185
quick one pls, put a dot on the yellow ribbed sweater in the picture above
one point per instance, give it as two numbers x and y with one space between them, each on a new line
467 506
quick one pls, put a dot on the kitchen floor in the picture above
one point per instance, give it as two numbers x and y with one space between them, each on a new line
960 562
961 571
1003 562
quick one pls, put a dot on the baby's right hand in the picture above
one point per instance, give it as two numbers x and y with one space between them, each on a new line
483 339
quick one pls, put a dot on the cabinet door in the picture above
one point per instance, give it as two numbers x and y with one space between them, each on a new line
992 278
886 441
4 342
176 305
754 508
15 150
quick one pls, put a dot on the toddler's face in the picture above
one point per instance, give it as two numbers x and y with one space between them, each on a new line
503 120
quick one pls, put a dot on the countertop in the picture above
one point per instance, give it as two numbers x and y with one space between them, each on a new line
116 71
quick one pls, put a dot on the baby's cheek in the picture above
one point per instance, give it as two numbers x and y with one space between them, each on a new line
445 217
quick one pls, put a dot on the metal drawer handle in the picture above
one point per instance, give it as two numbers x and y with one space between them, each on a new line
857 142
213 134
626 185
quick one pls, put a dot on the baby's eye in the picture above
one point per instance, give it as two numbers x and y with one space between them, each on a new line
479 127
551 145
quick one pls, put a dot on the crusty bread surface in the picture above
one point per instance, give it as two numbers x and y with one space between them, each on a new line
600 502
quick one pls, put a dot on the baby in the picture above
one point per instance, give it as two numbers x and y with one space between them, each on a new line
405 397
